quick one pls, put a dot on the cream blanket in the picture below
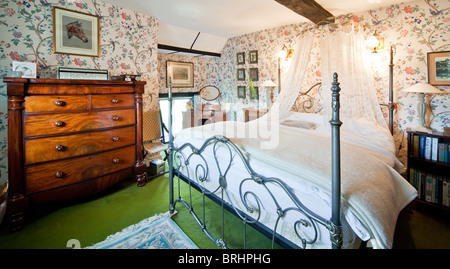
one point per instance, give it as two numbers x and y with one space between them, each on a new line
371 187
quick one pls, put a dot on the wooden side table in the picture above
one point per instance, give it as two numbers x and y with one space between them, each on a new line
251 113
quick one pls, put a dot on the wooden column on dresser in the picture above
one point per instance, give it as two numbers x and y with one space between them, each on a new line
70 138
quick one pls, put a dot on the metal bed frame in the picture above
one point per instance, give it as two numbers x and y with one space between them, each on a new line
178 159
311 219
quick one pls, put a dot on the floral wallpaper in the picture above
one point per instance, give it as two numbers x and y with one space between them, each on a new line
412 29
128 46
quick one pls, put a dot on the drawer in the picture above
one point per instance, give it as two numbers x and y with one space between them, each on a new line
60 173
53 148
112 100
55 103
74 122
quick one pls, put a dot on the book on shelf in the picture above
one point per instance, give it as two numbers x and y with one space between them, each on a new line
430 187
430 148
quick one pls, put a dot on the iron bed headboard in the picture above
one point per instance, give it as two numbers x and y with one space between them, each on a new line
177 158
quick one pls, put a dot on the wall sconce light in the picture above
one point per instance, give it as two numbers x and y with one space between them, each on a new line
285 54
375 42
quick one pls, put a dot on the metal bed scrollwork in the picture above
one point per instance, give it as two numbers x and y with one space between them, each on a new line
251 205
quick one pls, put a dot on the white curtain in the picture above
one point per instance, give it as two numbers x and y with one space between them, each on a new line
292 83
347 55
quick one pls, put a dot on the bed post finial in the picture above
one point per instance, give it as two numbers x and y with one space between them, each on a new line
335 224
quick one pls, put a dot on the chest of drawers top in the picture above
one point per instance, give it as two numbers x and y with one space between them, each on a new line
26 86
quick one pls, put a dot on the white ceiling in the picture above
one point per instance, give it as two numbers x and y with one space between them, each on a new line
217 20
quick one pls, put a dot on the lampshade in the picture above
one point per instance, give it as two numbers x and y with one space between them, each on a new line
268 83
372 42
423 88
282 54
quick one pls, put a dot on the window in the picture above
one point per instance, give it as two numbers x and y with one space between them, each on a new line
178 107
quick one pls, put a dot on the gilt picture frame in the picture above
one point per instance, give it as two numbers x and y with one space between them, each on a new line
75 33
181 73
439 68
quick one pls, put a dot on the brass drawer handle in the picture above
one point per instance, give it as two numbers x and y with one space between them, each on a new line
59 147
59 123
116 161
115 101
115 118
115 138
59 174
60 103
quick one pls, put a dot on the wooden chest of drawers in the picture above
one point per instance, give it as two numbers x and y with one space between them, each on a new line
70 138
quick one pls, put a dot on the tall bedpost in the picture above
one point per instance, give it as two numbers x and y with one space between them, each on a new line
170 150
391 92
335 224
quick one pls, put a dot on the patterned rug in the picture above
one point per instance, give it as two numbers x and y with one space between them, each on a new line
157 232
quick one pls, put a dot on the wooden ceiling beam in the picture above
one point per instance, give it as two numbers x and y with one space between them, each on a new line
309 9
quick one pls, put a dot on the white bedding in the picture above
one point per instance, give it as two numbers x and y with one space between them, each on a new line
373 192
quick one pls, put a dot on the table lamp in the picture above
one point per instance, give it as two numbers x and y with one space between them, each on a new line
422 89
269 93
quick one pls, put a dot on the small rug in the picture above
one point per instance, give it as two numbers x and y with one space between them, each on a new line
157 232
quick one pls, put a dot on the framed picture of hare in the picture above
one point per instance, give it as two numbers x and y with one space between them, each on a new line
75 33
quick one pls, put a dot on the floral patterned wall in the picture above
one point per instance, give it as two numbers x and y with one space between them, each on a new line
128 46
413 29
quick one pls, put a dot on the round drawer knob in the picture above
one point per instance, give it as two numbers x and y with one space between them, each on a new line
115 101
59 147
115 138
115 160
59 123
59 174
115 118
60 103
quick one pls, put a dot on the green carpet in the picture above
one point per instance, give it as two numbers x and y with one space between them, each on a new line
92 220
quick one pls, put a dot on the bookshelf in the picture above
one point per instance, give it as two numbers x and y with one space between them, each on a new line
428 170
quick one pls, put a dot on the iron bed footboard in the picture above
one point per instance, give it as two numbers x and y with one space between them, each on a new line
178 158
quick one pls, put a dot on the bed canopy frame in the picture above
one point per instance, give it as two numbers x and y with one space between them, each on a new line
178 159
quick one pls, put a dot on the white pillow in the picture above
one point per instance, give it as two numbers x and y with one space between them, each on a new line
299 124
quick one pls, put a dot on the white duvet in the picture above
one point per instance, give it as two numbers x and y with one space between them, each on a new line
373 191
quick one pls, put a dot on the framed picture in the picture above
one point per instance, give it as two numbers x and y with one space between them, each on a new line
75 33
254 74
182 74
241 91
241 74
240 57
439 68
254 94
24 69
253 57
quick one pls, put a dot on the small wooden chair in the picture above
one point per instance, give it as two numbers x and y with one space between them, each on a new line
152 136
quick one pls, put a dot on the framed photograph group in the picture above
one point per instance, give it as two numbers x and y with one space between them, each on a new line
75 33
182 74
439 68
